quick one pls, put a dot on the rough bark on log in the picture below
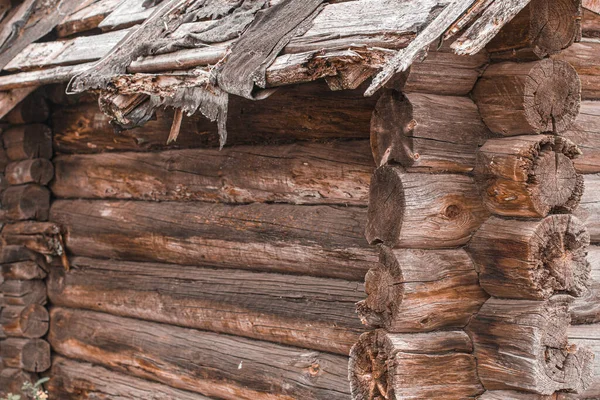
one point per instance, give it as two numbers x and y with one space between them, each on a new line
532 259
33 109
523 345
586 309
413 366
300 173
22 270
87 18
12 380
589 207
32 355
71 380
27 322
23 293
529 176
587 336
28 141
234 302
585 58
215 365
586 133
542 28
422 210
425 132
257 236
421 291
25 202
528 98
38 170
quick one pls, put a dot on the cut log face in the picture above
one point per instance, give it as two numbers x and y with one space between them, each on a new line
586 133
28 322
523 345
31 355
529 176
413 366
589 208
421 291
27 142
532 259
12 254
426 132
422 210
25 202
542 28
586 309
38 170
22 293
22 270
33 109
528 98
587 336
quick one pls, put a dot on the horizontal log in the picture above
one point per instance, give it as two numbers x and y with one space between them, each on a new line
523 345
528 98
12 254
513 395
323 241
72 380
22 293
28 141
529 176
532 259
33 109
585 132
308 312
427 133
306 112
413 366
27 322
587 336
215 365
12 380
299 173
41 237
586 309
421 291
585 58
589 208
25 202
22 270
32 355
542 28
38 170
422 210
590 23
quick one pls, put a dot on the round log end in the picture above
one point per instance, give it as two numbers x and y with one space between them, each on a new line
554 25
34 321
368 369
386 206
36 356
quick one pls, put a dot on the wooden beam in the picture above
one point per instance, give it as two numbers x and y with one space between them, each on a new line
589 208
586 133
586 308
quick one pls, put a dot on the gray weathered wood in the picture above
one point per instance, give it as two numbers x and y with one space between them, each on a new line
585 58
586 133
586 309
587 336
589 208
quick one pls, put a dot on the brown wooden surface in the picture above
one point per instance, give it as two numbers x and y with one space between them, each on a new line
22 293
300 173
586 309
12 254
422 210
523 345
532 259
513 395
585 132
590 23
32 355
322 241
27 322
23 270
426 132
38 170
421 291
12 379
587 336
589 208
25 202
528 98
413 366
307 312
32 110
529 176
28 141
215 365
585 58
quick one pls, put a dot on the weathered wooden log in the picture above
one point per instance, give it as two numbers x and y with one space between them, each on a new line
413 366
25 202
523 345
234 302
215 365
268 237
587 336
590 23
586 309
513 395
27 322
305 112
542 28
585 58
300 173
4 161
22 270
528 98
422 210
585 132
421 291
529 176
38 170
426 132
12 254
22 293
12 380
71 380
27 142
532 259
33 109
31 355
41 237
589 207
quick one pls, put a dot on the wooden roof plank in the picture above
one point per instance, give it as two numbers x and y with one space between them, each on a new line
128 13
87 18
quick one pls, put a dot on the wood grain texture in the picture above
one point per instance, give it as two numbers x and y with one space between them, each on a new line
322 241
532 259
33 109
27 142
22 270
585 58
23 293
513 395
589 208
422 210
37 170
215 365
586 133
31 355
29 321
25 202
590 23
586 308
587 336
